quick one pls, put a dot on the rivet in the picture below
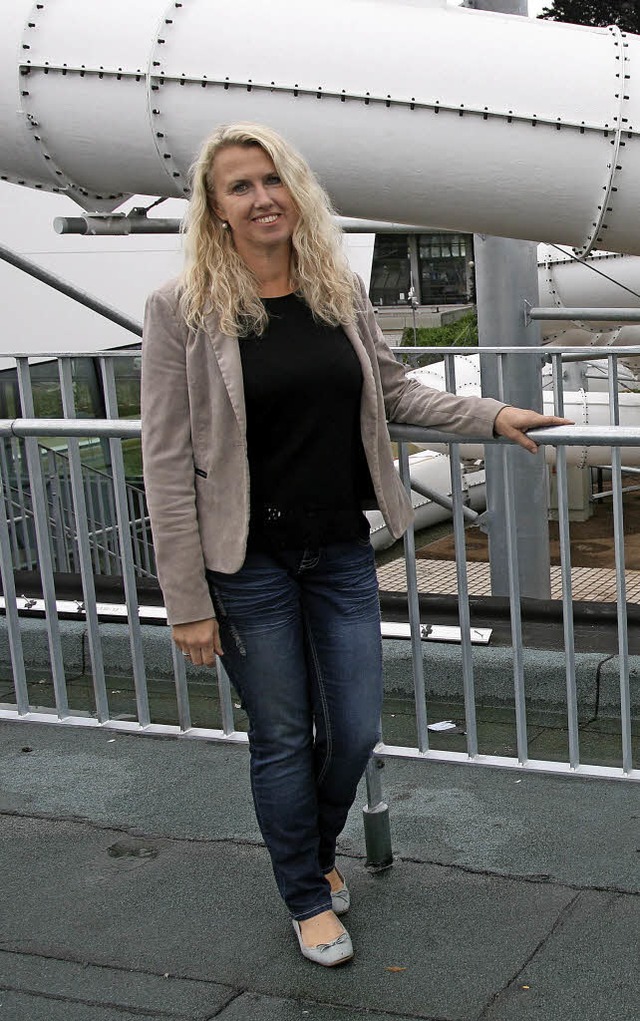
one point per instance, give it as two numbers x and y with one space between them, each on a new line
159 134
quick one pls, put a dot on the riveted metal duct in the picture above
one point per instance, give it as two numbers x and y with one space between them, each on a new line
412 112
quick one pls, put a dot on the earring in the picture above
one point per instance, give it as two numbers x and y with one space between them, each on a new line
225 225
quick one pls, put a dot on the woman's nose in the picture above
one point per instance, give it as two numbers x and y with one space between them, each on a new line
261 196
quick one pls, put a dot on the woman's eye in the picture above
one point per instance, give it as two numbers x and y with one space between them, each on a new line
240 187
274 179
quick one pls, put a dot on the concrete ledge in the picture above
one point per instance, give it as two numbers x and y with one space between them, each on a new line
545 677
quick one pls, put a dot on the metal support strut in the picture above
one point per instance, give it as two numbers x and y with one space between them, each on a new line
377 831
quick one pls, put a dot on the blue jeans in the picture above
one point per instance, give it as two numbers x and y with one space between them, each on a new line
300 632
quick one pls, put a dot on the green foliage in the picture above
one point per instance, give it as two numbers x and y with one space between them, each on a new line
622 13
463 332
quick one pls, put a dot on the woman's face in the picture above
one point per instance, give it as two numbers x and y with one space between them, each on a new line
251 198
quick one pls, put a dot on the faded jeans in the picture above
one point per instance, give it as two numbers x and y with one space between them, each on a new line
300 632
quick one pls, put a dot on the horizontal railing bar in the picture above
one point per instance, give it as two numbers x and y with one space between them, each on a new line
547 350
126 352
600 315
122 427
560 436
123 726
589 358
381 750
508 762
456 349
563 435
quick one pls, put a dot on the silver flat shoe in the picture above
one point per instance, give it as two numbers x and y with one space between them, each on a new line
340 899
327 954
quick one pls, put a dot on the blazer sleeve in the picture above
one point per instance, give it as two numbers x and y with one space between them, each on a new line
409 401
168 466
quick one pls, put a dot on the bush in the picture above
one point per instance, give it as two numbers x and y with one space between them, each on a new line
463 333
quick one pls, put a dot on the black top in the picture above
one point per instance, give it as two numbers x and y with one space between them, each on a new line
307 467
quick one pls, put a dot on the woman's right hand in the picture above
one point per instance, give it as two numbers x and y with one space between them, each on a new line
198 640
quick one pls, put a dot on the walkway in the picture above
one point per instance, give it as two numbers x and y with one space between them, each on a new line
439 576
134 885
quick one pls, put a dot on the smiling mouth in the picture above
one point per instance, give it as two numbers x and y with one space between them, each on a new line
267 219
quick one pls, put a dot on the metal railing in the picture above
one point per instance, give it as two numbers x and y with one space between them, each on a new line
101 517
28 707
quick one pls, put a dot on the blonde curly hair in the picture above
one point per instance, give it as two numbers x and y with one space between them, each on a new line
215 278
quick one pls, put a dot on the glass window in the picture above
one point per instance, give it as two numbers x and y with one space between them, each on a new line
391 271
444 269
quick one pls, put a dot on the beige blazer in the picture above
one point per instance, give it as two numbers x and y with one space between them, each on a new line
194 441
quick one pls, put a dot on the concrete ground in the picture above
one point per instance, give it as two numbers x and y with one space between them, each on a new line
134 885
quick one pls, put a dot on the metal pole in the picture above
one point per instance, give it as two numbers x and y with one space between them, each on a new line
71 291
377 831
506 272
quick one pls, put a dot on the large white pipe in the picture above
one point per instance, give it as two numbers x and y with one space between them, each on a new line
413 112
433 470
604 280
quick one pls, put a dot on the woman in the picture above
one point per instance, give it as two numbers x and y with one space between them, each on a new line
266 387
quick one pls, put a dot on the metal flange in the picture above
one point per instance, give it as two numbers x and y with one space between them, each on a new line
596 235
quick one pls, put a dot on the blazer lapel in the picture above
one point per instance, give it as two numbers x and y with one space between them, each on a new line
227 352
368 379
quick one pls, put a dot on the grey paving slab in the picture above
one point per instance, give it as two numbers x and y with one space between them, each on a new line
114 987
159 785
485 819
209 911
514 823
22 1007
252 1007
586 971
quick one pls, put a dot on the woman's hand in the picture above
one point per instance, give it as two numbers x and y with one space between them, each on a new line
199 640
512 423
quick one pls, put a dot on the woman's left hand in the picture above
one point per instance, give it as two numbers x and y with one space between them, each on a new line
512 423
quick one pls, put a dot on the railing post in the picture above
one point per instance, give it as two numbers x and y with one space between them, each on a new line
377 831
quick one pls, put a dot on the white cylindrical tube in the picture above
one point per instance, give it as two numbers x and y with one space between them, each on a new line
412 112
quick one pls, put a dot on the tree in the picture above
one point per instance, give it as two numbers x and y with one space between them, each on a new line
622 13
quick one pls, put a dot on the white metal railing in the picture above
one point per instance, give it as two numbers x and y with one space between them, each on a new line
101 715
